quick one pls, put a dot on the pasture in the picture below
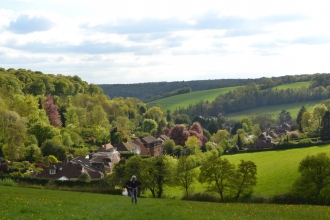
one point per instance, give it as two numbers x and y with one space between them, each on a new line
28 203
276 170
184 100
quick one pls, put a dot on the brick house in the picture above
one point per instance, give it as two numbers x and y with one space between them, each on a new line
150 146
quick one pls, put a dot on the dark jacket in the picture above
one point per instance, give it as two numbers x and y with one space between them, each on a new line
131 184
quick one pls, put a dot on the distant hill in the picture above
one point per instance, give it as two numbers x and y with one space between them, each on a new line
154 90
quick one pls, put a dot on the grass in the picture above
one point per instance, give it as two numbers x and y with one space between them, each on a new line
275 110
184 100
293 85
277 170
26 203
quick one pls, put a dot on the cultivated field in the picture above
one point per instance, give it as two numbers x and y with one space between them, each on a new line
27 203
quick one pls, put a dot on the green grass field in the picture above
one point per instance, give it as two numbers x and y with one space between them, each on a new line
26 203
274 110
184 100
277 170
293 85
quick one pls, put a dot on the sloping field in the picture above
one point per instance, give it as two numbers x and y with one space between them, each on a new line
277 170
184 100
275 110
293 85
26 203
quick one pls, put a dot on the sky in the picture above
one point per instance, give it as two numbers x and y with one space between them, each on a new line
137 41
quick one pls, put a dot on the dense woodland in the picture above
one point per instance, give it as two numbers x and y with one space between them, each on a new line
45 117
155 90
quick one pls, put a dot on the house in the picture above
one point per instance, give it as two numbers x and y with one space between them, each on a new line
95 172
62 171
263 141
128 147
150 146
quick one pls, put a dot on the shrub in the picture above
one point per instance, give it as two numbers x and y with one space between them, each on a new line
287 198
7 182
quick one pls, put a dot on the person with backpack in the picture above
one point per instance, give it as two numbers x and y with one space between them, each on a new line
133 187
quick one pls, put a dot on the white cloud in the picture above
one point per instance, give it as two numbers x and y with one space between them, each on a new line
154 40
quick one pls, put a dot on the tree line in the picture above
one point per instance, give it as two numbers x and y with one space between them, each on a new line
155 90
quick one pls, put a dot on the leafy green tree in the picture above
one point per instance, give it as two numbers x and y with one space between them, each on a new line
14 129
168 146
308 124
182 119
217 173
318 113
43 132
256 131
245 179
32 153
246 124
213 127
50 147
150 126
185 173
314 177
192 146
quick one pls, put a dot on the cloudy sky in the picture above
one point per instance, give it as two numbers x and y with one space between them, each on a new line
135 41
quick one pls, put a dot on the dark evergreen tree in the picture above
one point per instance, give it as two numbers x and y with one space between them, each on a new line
325 127
299 117
239 142
213 127
237 125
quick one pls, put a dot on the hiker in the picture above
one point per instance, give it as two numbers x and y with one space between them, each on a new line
133 186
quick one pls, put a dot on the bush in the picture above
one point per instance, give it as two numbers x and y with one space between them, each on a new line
7 182
287 198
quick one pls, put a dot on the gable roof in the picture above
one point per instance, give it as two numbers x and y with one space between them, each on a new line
148 140
69 170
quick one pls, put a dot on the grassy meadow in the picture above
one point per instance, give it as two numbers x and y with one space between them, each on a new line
276 170
184 100
27 203
293 85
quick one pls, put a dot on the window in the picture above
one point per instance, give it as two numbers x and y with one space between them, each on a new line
52 171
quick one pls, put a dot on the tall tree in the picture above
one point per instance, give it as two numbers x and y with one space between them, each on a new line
299 117
51 111
245 179
217 173
314 177
185 174
179 134
325 127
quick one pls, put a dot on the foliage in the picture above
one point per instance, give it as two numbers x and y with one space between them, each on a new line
217 173
52 111
179 134
314 180
185 174
84 176
168 146
325 127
